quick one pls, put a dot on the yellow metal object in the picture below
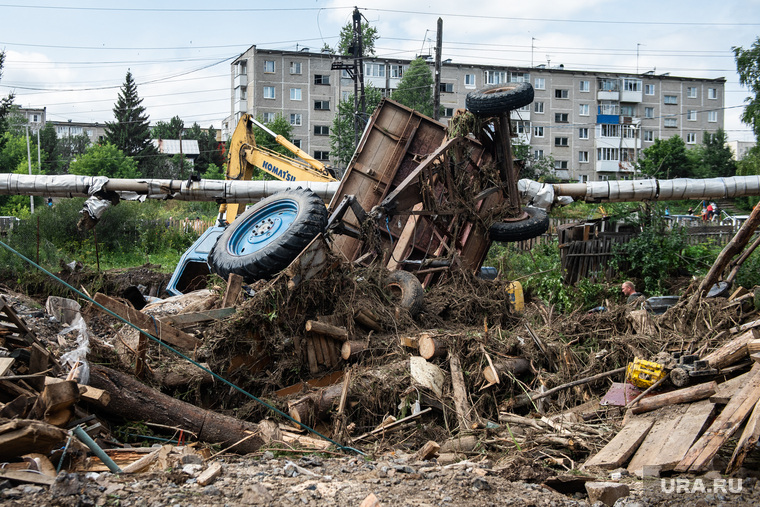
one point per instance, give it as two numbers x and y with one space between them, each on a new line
516 301
644 374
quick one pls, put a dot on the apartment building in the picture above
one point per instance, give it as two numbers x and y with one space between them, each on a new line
593 124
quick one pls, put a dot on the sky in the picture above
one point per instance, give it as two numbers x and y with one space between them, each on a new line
72 56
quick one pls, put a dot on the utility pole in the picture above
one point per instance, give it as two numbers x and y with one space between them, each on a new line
437 91
29 160
356 72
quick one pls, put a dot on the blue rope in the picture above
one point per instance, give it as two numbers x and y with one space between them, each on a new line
180 354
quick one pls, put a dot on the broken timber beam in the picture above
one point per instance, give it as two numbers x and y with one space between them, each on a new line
732 351
685 395
147 323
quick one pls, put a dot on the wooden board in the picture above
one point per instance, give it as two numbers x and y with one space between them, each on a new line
724 426
674 430
190 319
623 445
5 365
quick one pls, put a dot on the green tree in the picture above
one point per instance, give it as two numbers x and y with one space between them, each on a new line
748 166
210 148
5 102
748 67
168 130
713 157
666 158
130 133
342 139
72 147
52 162
346 42
105 160
279 126
415 89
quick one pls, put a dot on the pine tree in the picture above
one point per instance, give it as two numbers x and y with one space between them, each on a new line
131 130
415 89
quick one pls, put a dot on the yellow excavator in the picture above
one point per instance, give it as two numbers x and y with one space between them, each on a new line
245 155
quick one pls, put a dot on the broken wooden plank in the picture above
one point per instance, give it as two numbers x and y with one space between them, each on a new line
394 425
232 293
623 445
724 426
153 327
459 393
745 327
5 365
675 430
86 393
183 320
28 477
685 395
747 442
732 351
210 474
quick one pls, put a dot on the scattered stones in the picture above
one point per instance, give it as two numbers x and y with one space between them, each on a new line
606 492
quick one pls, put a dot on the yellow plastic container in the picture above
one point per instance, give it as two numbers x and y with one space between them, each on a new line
516 301
644 374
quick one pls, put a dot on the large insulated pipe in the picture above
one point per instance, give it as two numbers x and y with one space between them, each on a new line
230 191
660 190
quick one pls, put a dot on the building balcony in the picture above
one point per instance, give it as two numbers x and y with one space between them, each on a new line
629 142
240 80
520 115
607 95
607 166
241 106
630 96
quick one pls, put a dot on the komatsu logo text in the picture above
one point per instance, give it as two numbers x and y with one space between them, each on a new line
284 175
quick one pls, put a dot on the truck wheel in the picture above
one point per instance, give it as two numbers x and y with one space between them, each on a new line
269 236
501 98
535 224
407 291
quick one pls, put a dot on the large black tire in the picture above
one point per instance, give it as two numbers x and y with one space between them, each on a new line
535 224
407 291
268 236
501 98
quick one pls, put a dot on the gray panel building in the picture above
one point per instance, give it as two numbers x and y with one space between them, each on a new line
594 124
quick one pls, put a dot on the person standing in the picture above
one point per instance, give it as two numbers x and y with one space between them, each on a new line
629 290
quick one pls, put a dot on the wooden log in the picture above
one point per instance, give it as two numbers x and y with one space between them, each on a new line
747 442
745 326
87 393
431 347
182 375
753 346
315 406
335 332
368 319
459 393
724 426
732 351
409 341
232 293
137 402
352 349
685 395
163 332
505 367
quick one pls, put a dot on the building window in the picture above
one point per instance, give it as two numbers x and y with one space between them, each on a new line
691 115
321 79
607 154
648 135
296 142
628 110
649 89
712 116
560 164
627 154
321 130
448 112
629 132
583 109
538 107
269 66
671 99
295 119
242 94
538 154
560 93
583 133
671 122
691 92
691 138
322 105
583 157
538 131
519 77
446 87
267 117
608 108
322 155
374 70
269 92
608 130
712 93
584 86
495 77
295 67
540 83
560 117
560 141
469 80
345 95
241 69
609 85
648 112
632 85
295 94
397 71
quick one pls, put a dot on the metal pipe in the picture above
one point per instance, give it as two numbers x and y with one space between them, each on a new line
100 453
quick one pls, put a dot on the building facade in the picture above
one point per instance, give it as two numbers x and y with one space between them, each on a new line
593 124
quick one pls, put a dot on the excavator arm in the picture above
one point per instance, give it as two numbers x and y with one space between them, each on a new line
245 155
